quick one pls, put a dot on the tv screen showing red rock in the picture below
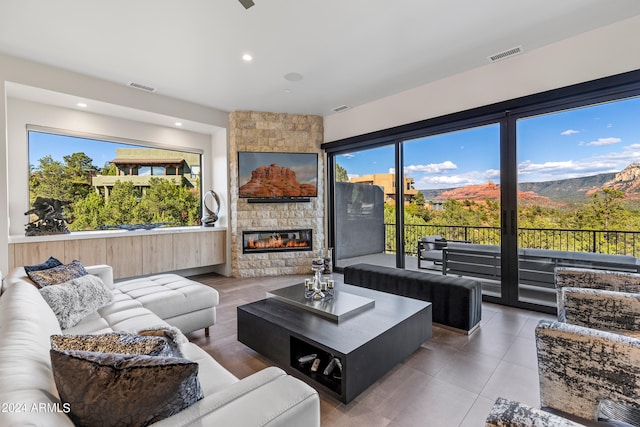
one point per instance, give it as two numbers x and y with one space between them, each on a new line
277 175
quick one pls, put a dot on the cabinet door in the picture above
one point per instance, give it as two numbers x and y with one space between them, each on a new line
157 253
124 254
186 250
35 253
213 248
87 251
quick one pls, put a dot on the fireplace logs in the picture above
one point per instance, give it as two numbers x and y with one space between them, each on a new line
276 241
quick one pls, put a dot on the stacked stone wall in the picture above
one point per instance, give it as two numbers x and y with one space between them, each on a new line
274 132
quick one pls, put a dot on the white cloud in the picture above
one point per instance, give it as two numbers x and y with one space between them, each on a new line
431 168
459 180
348 155
569 132
604 141
352 175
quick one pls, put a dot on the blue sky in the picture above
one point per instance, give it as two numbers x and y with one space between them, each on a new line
573 143
58 146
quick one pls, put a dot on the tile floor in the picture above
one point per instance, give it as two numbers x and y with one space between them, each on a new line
451 380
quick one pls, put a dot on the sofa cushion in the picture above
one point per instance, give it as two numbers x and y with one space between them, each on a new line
50 263
56 275
72 301
111 389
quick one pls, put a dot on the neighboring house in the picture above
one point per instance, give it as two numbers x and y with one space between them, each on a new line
139 165
388 183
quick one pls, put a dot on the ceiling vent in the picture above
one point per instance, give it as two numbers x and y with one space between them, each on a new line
340 108
142 87
505 54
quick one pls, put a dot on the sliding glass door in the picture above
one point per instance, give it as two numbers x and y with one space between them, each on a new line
452 204
503 193
578 192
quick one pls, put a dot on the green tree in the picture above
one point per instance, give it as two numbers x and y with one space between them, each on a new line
118 209
166 202
341 174
604 211
109 169
46 180
417 207
88 213
76 178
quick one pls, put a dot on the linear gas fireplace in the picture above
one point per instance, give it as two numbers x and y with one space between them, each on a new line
276 241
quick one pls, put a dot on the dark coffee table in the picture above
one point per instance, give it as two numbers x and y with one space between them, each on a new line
370 332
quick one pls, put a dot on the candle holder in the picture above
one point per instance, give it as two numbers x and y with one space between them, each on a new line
315 288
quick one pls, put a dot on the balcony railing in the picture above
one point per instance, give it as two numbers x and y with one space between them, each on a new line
599 241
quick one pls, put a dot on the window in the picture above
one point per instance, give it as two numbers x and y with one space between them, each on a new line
554 171
112 184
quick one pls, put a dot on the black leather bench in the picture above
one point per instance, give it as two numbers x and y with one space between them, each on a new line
456 301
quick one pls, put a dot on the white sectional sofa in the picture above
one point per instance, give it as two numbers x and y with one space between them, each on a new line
28 392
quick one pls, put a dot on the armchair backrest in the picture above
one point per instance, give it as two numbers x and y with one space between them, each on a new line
578 367
573 277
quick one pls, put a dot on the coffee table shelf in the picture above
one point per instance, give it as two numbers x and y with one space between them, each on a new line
368 344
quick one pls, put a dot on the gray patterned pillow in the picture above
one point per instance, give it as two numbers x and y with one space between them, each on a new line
110 389
74 300
59 274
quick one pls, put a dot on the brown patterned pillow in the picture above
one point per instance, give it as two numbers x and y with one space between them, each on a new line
57 275
111 389
114 342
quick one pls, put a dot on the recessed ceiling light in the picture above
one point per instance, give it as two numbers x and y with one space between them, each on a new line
178 124
81 104
247 58
293 77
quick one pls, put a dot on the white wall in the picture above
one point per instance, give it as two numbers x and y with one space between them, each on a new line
133 102
599 53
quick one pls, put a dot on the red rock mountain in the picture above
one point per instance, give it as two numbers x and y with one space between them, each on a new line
491 191
275 181
627 181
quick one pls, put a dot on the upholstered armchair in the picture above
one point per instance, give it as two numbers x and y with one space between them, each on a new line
606 300
591 355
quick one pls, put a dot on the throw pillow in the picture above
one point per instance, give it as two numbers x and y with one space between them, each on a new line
170 334
74 300
110 389
50 263
59 274
114 342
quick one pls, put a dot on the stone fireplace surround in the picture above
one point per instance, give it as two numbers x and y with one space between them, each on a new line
274 132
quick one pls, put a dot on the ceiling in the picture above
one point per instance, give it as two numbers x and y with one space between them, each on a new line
348 52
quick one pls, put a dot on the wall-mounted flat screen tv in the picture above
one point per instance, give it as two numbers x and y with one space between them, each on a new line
277 176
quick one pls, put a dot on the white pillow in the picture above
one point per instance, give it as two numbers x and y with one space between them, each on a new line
74 300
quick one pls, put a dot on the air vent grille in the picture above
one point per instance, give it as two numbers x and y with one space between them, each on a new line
142 87
505 54
340 108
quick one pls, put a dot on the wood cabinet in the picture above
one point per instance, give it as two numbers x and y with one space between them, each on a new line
130 254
